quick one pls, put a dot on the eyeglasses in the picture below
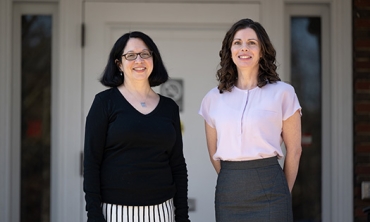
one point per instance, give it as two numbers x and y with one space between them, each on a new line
132 56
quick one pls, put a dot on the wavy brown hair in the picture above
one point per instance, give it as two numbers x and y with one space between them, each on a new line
227 75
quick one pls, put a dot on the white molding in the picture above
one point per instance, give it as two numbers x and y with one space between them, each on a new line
342 116
67 137
36 1
307 1
272 19
20 8
5 108
177 1
15 117
337 163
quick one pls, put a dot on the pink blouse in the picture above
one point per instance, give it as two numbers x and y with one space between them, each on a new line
249 122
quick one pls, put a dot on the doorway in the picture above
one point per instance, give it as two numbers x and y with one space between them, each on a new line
189 47
309 69
32 101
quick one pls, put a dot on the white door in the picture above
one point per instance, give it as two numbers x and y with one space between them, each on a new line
189 37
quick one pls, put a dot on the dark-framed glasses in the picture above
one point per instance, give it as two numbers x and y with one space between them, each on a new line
130 56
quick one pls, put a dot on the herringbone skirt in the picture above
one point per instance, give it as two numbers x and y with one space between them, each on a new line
252 191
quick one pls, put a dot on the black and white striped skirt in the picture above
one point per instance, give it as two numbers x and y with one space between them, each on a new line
163 212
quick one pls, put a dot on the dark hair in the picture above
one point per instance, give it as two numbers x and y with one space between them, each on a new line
227 75
112 77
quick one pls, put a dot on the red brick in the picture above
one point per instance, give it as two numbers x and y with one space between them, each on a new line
359 213
362 169
361 203
361 3
357 191
362 23
362 127
362 43
358 210
362 64
362 107
362 148
362 85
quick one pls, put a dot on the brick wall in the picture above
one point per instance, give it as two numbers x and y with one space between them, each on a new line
361 102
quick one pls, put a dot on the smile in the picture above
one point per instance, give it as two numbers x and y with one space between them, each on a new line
244 57
139 69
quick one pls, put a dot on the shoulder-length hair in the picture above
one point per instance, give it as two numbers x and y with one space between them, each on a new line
111 75
227 75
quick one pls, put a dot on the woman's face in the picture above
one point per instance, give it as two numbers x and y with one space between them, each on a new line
139 68
246 50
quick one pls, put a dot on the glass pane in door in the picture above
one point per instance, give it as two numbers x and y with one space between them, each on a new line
306 77
35 117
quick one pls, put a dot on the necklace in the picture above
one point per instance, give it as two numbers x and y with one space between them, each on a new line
143 103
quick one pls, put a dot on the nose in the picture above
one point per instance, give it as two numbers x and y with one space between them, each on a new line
244 47
138 59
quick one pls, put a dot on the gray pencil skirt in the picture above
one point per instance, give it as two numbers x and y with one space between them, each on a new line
252 191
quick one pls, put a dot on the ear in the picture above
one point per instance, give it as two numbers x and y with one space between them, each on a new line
118 63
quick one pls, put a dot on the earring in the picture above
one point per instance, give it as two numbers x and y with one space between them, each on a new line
120 73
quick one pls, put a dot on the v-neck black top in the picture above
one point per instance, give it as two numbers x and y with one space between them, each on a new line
132 158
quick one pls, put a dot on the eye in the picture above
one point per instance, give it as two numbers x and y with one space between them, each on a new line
236 43
252 43
130 55
145 54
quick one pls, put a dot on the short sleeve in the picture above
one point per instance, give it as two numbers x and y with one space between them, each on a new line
290 103
205 108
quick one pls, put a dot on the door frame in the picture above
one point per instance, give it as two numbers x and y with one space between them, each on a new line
67 179
20 9
321 11
337 173
5 110
202 33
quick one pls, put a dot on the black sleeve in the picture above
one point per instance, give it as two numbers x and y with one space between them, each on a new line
95 137
179 173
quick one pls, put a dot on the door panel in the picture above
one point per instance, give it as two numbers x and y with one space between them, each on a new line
306 52
189 37
309 71
33 87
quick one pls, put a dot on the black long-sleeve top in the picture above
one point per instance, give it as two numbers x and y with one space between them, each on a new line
132 158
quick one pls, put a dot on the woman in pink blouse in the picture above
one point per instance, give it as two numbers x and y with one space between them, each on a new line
247 118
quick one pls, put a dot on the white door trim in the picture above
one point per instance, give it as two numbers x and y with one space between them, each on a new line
66 178
337 163
321 11
341 109
20 9
5 109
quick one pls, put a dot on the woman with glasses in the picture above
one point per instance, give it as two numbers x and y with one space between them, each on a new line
247 117
134 167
